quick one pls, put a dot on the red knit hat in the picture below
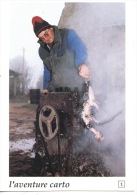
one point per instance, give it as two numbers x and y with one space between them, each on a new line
39 25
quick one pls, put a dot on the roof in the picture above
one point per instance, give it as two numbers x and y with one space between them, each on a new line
13 73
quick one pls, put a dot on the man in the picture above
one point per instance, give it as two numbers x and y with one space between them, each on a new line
63 54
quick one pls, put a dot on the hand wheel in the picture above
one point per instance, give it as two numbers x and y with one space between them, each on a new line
48 122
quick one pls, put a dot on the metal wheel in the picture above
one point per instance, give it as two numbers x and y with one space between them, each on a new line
48 122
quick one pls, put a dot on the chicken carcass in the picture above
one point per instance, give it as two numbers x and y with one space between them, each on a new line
87 115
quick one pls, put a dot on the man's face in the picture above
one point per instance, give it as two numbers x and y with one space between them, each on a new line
47 36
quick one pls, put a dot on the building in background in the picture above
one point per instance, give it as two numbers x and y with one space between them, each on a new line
14 83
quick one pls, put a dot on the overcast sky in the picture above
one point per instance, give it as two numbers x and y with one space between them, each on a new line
21 29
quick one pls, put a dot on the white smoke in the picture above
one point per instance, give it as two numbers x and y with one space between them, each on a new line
102 28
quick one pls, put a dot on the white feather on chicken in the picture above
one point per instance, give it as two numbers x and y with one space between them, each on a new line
87 116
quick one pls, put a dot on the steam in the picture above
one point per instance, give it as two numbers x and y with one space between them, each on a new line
87 114
103 33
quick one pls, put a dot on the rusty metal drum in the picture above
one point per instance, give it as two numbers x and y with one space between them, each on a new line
34 96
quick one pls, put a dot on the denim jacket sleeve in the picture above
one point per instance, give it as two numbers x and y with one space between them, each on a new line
77 45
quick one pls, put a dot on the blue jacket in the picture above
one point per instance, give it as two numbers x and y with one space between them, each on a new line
65 40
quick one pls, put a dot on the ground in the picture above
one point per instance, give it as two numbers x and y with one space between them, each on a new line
22 138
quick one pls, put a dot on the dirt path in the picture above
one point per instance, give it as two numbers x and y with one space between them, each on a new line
22 138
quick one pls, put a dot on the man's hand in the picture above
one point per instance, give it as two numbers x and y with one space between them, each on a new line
84 71
44 91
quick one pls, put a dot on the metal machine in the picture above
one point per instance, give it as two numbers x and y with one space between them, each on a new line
54 132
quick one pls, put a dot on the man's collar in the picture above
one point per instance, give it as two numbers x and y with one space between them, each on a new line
57 35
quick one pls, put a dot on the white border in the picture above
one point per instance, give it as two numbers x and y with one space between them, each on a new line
79 184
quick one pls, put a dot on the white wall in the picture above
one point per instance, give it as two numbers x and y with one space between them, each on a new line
102 27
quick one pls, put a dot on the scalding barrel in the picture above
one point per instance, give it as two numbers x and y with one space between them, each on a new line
34 96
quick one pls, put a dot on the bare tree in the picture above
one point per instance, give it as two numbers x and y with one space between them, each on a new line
20 65
39 83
